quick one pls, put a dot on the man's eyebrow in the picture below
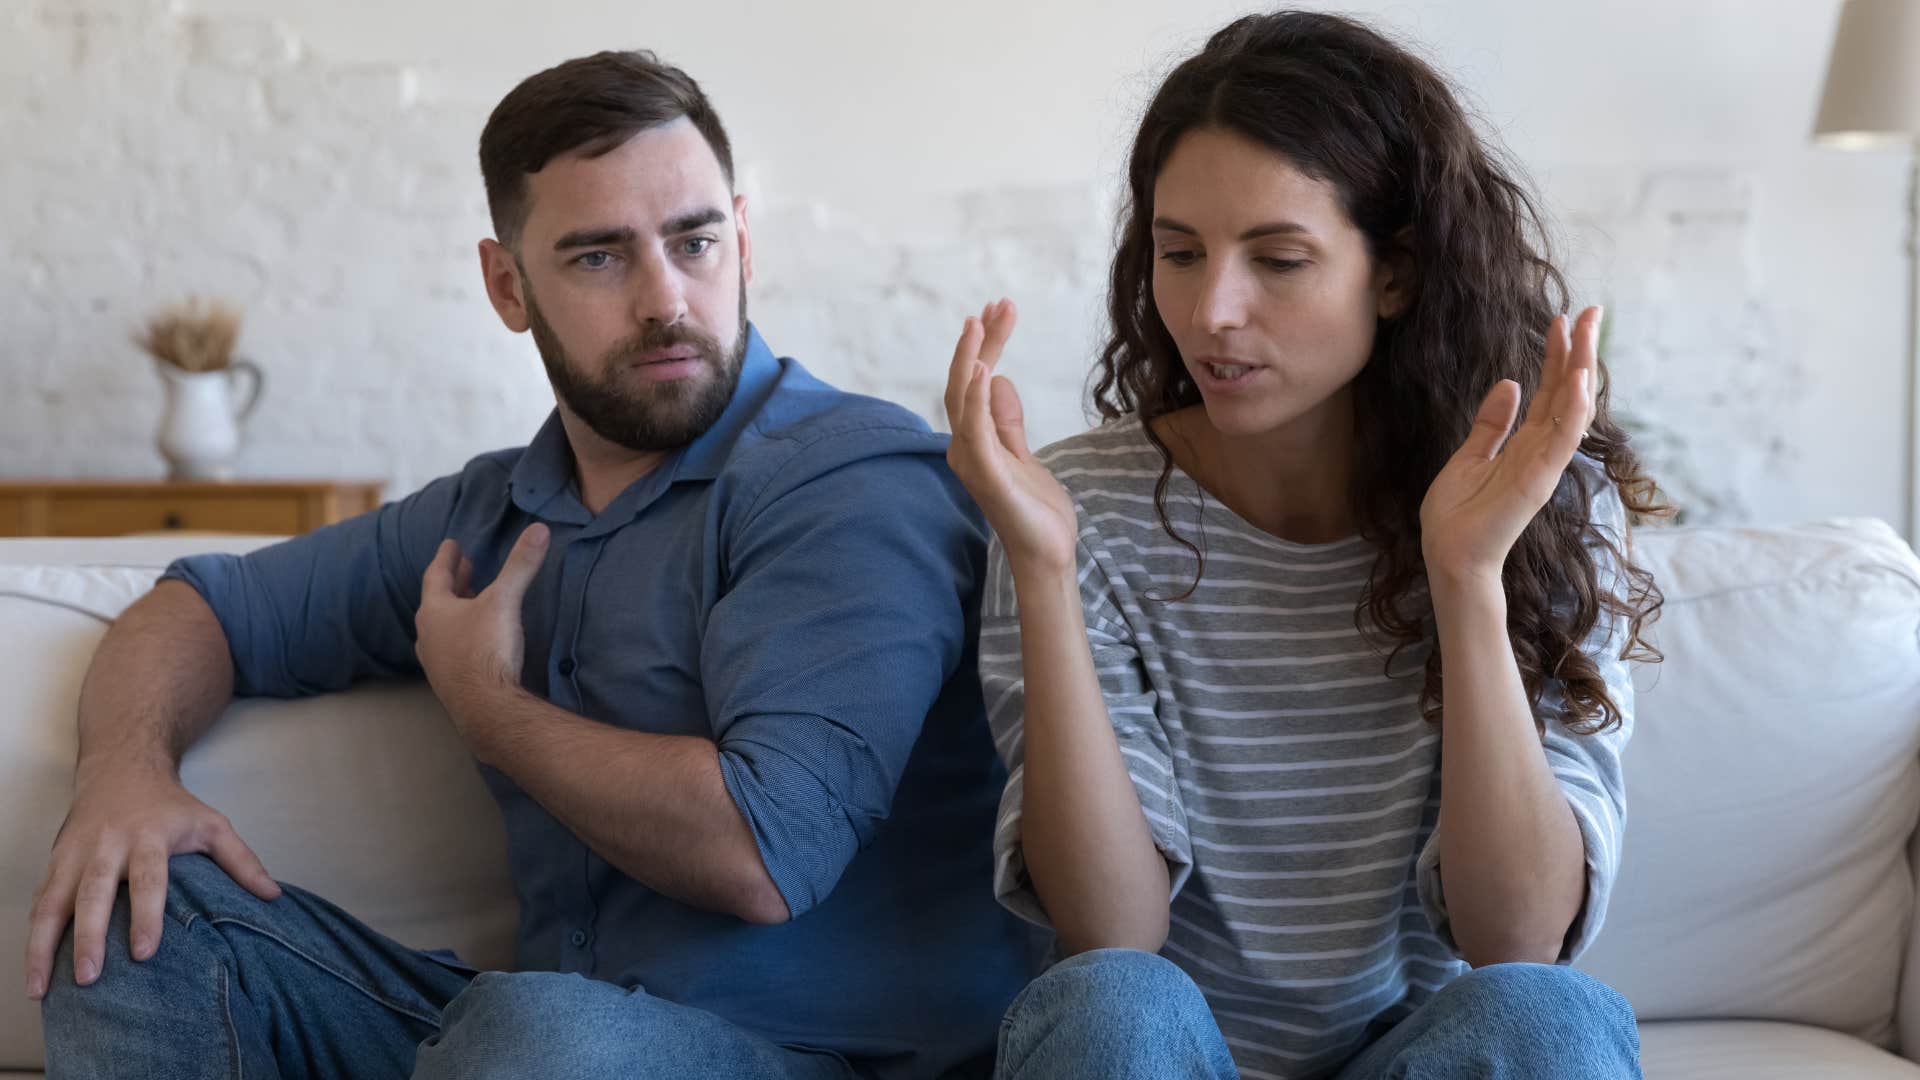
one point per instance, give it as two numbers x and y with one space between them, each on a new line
611 235
1272 228
697 219
595 236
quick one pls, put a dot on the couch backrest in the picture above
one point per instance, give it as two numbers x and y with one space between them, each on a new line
1772 781
366 797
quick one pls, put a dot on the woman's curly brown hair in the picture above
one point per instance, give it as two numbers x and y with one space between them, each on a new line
1346 106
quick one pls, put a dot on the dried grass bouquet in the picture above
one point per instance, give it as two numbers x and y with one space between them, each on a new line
192 337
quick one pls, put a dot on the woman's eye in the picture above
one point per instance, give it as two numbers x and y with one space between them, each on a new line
1178 258
1283 265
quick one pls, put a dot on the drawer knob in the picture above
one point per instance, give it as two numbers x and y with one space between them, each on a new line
173 519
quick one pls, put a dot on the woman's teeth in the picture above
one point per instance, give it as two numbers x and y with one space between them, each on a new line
1229 371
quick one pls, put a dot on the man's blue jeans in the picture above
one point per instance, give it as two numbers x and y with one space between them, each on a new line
1120 1014
298 988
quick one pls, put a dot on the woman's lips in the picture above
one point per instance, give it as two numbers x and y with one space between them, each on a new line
1225 373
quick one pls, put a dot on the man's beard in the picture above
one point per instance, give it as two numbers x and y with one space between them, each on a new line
638 414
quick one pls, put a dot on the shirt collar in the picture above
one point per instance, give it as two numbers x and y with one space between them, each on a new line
545 472
545 468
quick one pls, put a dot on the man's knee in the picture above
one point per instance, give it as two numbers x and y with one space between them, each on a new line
532 1023
160 1001
196 888
544 1000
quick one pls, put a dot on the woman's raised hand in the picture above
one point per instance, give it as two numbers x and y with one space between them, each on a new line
1028 509
1494 484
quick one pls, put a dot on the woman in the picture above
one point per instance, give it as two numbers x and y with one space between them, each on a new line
1347 440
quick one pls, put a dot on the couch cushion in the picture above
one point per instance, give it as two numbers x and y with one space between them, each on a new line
1772 782
1759 1050
366 797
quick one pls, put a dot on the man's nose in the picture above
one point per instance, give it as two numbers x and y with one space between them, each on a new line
658 294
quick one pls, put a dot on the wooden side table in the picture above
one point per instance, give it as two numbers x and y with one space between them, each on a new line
118 507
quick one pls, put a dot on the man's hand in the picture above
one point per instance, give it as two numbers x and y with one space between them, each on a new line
472 647
125 823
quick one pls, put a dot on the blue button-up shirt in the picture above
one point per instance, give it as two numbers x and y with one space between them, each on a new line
800 584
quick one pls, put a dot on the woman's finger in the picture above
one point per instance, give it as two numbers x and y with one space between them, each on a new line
999 320
978 442
979 407
1493 421
1586 357
1009 419
1553 369
1567 407
966 353
1566 427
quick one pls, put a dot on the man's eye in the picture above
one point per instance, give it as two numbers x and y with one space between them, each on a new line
698 245
595 260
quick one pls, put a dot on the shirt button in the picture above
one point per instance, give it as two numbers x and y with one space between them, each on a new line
577 938
566 666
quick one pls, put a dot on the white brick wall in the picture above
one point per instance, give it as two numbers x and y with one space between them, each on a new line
151 151
168 154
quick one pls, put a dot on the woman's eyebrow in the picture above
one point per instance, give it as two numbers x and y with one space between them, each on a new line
1272 228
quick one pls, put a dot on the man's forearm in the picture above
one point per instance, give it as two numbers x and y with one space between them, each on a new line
158 680
1513 860
655 806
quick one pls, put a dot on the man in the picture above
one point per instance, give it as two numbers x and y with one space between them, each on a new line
708 636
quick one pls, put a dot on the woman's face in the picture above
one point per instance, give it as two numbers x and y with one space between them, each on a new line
1266 286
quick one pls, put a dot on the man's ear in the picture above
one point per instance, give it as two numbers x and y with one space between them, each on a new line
501 272
1394 278
746 241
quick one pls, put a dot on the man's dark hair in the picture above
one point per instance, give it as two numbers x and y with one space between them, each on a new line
588 105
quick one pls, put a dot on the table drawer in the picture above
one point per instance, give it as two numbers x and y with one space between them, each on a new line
94 516
114 508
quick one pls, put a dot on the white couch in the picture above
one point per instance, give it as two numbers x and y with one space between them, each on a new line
1762 925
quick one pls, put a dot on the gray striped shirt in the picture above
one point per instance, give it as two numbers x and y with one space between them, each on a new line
1285 773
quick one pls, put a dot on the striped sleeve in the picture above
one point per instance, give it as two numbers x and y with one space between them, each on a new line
1586 767
1131 706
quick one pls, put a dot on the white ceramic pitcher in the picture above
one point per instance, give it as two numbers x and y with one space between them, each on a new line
200 429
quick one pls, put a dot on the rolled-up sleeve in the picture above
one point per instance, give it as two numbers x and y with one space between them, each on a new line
1132 709
844 614
320 611
1586 767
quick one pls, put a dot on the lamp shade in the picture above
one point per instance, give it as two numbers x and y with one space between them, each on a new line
1872 95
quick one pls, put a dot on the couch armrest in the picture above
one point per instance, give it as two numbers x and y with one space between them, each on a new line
367 797
1906 1015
